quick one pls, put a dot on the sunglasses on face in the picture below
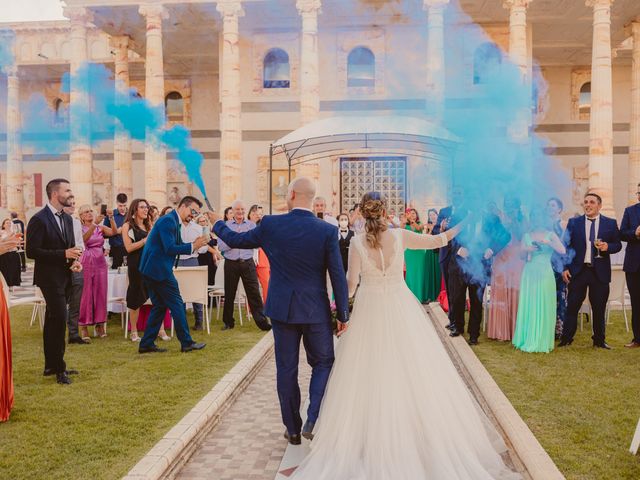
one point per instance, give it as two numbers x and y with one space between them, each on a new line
195 213
144 207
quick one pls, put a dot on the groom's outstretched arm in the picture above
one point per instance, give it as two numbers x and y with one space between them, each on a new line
250 239
338 277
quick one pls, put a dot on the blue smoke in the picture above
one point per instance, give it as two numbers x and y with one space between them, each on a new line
102 111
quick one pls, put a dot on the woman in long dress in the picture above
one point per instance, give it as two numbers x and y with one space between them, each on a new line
505 276
415 260
395 407
433 276
7 244
536 321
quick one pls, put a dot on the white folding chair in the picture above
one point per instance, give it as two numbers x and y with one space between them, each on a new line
37 301
486 303
193 285
635 443
617 295
241 299
216 291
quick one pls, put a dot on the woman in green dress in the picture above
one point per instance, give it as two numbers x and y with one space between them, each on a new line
536 319
423 273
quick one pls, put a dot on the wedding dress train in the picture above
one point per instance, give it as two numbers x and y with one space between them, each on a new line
395 407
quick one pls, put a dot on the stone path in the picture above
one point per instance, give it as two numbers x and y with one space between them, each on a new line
247 444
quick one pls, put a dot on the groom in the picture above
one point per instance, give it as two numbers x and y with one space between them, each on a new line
301 249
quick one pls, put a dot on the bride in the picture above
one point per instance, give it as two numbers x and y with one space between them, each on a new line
395 407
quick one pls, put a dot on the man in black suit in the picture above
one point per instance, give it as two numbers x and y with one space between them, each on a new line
472 254
592 238
52 246
630 233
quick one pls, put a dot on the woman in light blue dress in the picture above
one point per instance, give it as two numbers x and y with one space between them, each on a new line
536 319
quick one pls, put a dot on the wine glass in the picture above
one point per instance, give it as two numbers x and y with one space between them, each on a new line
597 244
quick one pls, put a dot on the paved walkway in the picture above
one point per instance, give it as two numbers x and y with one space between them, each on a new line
248 443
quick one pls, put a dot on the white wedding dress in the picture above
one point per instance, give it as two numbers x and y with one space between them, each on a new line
395 407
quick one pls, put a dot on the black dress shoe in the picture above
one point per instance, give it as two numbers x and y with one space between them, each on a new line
78 340
473 341
198 327
602 345
454 332
307 430
293 439
63 378
565 343
194 346
227 327
264 326
48 372
151 349
449 326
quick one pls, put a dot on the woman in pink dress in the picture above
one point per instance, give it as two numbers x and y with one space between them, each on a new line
263 268
505 276
93 305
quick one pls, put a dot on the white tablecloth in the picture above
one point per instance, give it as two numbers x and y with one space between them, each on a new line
117 287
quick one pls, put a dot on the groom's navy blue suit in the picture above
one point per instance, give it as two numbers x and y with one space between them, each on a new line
301 249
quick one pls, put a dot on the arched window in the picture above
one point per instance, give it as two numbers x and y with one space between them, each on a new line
584 104
486 59
277 71
58 111
174 105
361 68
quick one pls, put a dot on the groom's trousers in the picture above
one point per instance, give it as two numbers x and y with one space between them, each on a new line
318 344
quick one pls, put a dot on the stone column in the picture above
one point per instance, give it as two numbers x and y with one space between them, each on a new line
634 141
155 157
435 57
518 53
80 155
601 126
122 165
15 179
309 61
231 105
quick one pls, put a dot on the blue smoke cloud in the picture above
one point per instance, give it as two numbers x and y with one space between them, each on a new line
6 52
102 111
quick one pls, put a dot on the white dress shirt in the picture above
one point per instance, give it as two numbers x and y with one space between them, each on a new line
77 233
55 215
189 234
587 228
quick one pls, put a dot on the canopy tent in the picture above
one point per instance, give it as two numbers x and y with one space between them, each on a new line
381 135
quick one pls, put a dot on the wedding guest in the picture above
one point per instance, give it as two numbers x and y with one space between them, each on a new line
505 275
345 235
470 268
415 261
593 237
433 278
536 313
554 209
93 305
154 213
630 233
357 221
164 211
228 214
18 227
77 279
134 236
52 246
6 367
190 231
238 265
320 209
212 256
10 261
116 245
263 268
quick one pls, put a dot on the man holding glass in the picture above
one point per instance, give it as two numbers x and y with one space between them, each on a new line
590 240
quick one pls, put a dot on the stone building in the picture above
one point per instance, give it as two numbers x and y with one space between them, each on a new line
241 74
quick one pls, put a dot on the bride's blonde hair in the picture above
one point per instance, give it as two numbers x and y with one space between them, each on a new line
373 211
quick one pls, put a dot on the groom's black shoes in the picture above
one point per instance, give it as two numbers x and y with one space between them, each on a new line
473 341
565 343
193 346
293 439
263 325
454 332
307 430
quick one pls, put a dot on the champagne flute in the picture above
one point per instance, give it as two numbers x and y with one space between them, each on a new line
598 242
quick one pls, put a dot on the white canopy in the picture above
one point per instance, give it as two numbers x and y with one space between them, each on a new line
385 133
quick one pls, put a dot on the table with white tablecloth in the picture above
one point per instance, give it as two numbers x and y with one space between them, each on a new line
117 287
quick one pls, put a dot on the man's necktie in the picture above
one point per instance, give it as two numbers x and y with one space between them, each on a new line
62 230
592 236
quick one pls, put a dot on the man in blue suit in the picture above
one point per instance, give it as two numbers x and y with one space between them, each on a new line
630 233
301 249
590 240
158 258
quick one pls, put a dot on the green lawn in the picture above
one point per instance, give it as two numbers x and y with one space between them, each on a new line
119 406
581 403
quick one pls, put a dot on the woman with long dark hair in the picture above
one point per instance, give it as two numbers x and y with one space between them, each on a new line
416 262
135 229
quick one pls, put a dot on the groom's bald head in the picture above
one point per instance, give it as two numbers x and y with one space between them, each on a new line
301 193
